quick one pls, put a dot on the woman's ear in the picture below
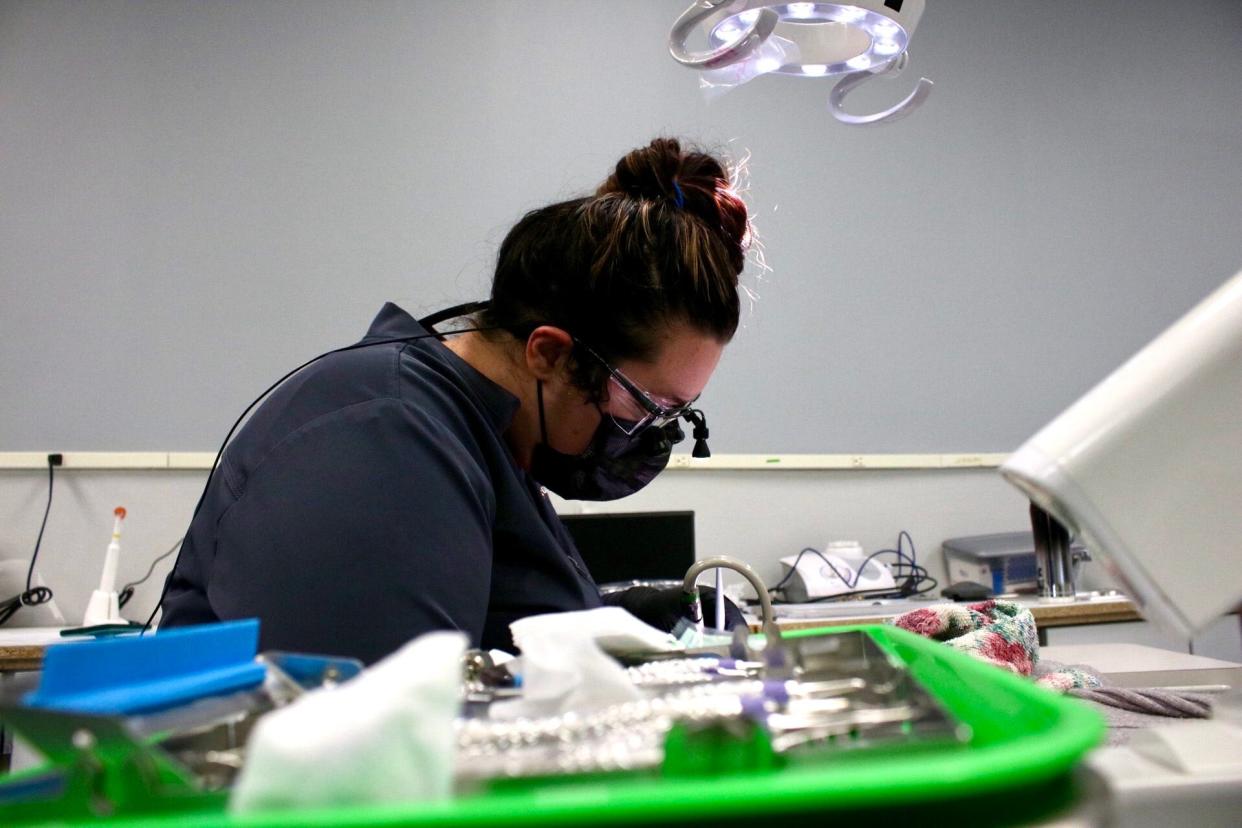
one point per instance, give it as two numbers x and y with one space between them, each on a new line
547 351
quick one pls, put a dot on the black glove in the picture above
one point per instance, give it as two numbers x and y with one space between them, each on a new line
663 608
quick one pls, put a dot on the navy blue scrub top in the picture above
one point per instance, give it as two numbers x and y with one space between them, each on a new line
372 498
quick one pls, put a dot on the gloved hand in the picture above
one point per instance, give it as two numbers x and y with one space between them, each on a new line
663 608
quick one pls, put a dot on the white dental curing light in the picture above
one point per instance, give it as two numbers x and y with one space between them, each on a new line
853 41
103 607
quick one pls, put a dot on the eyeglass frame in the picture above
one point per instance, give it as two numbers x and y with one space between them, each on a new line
656 414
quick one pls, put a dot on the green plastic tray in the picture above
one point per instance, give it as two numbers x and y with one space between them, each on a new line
1025 741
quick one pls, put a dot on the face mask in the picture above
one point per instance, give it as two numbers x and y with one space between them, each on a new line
613 466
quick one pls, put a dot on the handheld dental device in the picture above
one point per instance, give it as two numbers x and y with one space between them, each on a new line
103 607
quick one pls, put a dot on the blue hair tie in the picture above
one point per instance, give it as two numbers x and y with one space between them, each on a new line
680 197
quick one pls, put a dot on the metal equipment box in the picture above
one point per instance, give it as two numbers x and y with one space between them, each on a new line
1004 561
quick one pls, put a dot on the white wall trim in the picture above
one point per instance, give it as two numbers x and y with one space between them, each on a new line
201 460
779 462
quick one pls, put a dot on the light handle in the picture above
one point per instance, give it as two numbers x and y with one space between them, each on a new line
751 38
853 80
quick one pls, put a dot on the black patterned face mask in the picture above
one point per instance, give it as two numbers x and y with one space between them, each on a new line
614 465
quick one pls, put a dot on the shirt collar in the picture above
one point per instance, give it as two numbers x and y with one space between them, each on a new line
393 322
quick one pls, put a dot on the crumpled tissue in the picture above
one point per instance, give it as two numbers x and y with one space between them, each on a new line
385 736
564 667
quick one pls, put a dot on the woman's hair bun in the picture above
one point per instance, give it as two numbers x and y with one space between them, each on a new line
648 172
689 180
662 241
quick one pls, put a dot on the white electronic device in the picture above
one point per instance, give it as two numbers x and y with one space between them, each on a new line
840 569
103 607
1147 467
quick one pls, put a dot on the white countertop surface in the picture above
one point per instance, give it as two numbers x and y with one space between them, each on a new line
1131 658
31 636
1137 665
870 608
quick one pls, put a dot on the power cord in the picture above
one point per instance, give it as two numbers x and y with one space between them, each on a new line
918 576
127 591
32 596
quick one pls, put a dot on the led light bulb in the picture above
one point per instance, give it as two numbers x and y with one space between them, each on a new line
727 32
849 14
886 28
886 47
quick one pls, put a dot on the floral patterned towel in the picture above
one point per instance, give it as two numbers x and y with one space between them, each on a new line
999 632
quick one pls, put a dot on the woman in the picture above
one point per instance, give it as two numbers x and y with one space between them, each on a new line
399 486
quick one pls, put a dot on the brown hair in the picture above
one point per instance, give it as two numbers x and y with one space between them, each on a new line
663 240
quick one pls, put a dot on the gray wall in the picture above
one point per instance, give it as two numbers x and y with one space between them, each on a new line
758 516
196 196
754 515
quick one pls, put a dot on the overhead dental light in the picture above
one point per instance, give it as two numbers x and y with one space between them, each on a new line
853 41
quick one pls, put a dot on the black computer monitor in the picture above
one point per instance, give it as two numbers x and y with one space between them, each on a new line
634 546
